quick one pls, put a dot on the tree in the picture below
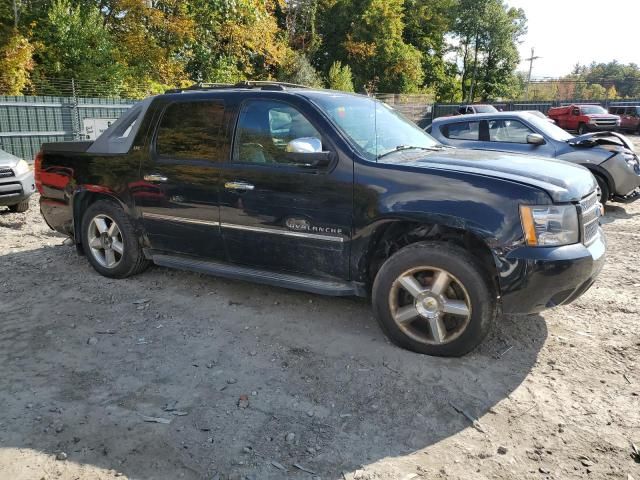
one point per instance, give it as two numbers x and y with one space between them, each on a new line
339 77
376 51
298 69
426 28
16 63
244 33
74 43
487 32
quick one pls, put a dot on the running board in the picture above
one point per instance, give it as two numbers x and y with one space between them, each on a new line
267 277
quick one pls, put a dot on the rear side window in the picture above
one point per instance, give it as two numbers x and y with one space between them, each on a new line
462 130
192 131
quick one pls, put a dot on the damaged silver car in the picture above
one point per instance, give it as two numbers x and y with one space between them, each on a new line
609 156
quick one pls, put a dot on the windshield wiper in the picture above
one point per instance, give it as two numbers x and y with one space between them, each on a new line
399 148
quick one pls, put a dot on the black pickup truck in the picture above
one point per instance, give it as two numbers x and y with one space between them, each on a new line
330 193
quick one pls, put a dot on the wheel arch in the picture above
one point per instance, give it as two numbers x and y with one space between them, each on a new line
389 236
597 170
83 198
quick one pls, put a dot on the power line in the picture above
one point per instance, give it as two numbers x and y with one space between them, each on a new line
531 59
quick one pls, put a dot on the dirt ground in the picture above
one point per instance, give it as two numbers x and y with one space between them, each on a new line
263 383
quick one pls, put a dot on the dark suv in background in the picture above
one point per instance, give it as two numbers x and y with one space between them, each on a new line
629 117
331 193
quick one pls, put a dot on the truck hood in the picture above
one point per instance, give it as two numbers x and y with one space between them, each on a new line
563 181
8 160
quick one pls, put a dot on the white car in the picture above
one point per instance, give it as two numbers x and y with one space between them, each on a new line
16 182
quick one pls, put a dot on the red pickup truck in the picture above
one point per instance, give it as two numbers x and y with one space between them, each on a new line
584 118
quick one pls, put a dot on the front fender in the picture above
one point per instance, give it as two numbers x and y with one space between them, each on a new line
484 206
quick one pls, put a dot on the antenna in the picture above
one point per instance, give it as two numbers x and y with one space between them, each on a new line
531 59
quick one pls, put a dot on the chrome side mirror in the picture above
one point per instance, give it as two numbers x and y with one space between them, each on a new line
305 145
535 139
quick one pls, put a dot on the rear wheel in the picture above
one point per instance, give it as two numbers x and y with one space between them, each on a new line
110 241
21 207
433 298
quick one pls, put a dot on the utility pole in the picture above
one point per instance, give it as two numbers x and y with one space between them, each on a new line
531 59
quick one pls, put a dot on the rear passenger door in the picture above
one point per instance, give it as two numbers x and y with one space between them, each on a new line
177 195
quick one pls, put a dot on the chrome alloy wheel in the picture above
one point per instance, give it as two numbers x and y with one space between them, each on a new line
105 241
430 305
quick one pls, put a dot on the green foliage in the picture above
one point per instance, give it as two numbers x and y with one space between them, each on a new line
16 63
457 50
340 77
75 43
376 51
488 32
298 69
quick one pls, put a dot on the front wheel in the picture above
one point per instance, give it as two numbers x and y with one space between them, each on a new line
433 298
110 241
603 190
582 129
21 207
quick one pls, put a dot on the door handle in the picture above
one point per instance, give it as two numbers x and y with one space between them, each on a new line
238 186
155 177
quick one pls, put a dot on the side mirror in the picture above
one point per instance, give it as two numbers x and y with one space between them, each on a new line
535 139
305 145
312 160
307 152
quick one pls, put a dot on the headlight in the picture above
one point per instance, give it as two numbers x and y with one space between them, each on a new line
545 225
592 120
632 162
21 167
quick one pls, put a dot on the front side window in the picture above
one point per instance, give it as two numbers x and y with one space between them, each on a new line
266 130
509 131
191 131
462 130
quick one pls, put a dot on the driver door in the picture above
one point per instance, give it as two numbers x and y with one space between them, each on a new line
276 211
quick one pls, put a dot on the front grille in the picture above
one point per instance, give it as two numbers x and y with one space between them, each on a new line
609 123
589 217
5 172
9 189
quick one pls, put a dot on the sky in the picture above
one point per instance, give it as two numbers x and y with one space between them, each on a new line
564 32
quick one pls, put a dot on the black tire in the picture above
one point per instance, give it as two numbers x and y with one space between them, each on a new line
21 207
582 129
605 193
132 261
459 264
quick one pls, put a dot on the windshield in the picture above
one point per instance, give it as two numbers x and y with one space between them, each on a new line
374 128
591 109
549 129
485 109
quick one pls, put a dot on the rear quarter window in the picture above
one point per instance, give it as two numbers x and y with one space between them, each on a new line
191 131
461 130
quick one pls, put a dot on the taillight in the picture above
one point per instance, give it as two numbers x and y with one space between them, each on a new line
37 167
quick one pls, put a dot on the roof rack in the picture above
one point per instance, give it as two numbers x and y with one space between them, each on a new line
261 84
